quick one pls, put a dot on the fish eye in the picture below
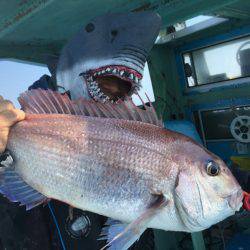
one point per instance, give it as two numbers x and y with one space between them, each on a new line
89 27
212 168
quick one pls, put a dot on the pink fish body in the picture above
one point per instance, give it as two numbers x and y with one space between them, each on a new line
120 167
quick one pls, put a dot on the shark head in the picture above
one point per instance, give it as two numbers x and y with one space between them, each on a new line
105 59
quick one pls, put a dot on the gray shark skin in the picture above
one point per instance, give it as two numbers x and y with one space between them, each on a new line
109 50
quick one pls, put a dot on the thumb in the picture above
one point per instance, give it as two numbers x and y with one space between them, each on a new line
4 132
7 119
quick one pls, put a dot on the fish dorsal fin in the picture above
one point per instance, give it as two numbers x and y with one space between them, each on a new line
38 101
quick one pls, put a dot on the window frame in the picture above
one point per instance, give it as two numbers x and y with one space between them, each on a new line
215 83
183 47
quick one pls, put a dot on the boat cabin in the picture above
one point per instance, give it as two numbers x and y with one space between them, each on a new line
199 68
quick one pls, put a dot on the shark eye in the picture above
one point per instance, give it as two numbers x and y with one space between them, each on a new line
89 27
212 168
114 32
113 35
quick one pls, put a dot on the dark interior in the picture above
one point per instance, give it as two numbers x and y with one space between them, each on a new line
114 87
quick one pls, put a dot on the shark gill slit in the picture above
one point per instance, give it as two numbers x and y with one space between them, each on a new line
128 61
138 49
136 54
132 57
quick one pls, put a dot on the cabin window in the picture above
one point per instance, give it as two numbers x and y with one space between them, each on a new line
221 62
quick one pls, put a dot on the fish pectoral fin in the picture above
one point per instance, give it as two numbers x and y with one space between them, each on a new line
13 187
122 236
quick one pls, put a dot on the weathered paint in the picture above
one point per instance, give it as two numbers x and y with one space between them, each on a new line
198 241
166 77
215 95
20 11
27 25
53 24
169 102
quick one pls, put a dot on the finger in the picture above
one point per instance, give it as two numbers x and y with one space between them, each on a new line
10 117
3 139
6 105
20 115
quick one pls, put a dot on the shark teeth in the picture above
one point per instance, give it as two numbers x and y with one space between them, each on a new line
119 71
136 80
96 92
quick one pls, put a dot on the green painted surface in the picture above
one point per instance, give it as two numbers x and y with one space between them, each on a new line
225 27
165 79
163 71
198 241
29 30
165 240
178 240
214 96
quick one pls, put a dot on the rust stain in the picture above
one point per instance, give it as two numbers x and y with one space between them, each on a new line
143 7
146 6
161 3
22 14
23 2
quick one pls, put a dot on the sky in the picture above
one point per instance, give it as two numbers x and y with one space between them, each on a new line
16 77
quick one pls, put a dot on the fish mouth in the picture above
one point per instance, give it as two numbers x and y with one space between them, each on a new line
112 82
235 200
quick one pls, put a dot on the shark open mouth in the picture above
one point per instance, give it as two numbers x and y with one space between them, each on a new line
112 82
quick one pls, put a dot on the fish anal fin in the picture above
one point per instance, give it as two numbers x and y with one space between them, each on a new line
38 101
122 236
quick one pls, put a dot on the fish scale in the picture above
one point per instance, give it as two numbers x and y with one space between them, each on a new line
139 155
129 168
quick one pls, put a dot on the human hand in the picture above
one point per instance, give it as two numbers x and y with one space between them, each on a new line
9 115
